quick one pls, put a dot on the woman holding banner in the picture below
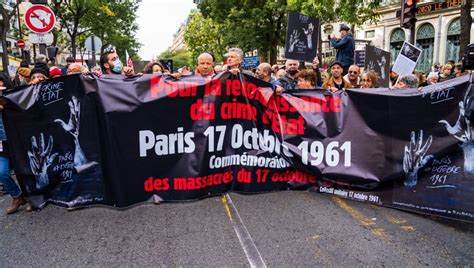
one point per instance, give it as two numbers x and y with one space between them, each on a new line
9 184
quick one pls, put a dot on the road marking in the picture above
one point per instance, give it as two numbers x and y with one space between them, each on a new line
227 208
396 220
408 228
253 255
356 214
352 211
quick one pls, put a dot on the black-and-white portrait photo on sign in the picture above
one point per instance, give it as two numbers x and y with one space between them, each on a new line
410 51
378 60
301 37
407 59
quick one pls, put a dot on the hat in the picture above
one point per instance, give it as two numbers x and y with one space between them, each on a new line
344 27
336 63
41 65
53 71
24 71
39 70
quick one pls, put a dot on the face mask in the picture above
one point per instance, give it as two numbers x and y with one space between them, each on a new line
292 72
117 67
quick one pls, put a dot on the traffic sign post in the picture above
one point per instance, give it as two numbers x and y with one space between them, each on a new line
40 19
20 44
93 43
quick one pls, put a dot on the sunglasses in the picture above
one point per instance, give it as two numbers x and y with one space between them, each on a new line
352 72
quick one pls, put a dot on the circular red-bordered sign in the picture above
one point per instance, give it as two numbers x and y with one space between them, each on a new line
20 43
40 19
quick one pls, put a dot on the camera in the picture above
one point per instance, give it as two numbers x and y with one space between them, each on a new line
468 58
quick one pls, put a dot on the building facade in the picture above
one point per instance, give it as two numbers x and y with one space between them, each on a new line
437 31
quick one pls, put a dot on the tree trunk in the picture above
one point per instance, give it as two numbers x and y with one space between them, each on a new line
4 28
466 24
273 54
73 45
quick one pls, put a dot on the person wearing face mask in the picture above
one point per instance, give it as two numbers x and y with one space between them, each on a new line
110 63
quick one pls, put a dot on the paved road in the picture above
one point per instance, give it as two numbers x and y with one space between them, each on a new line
275 229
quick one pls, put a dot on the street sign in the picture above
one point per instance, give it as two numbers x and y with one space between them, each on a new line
40 19
38 38
20 43
93 43
250 62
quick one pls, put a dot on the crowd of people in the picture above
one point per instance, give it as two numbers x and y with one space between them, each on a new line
342 74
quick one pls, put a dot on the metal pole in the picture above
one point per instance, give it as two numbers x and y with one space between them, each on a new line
19 29
93 51
412 33
42 49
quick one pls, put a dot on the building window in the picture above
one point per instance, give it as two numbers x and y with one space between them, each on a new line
396 41
452 40
425 40
370 34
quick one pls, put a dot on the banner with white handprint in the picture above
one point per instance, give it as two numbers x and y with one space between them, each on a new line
301 37
57 125
378 60
82 140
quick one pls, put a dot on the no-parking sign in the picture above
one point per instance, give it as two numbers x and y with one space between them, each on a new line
40 19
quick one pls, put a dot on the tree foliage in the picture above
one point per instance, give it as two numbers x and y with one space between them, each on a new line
353 12
112 21
180 57
249 24
203 35
261 24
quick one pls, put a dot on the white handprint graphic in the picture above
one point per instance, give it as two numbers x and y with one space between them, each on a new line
40 159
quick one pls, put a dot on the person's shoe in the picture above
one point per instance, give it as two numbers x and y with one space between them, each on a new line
16 203
29 208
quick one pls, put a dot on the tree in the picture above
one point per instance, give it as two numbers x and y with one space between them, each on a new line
4 28
71 14
203 34
250 24
353 12
180 57
112 21
466 24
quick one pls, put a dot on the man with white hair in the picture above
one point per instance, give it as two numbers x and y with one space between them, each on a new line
289 81
235 56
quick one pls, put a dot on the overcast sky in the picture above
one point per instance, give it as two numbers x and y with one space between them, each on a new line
159 20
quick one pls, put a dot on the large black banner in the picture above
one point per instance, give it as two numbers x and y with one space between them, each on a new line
118 141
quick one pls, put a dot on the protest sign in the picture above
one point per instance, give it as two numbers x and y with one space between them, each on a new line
378 60
301 37
406 59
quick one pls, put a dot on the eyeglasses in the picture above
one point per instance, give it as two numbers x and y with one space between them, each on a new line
352 72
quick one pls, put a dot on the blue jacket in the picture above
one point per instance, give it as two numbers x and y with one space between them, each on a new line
345 49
